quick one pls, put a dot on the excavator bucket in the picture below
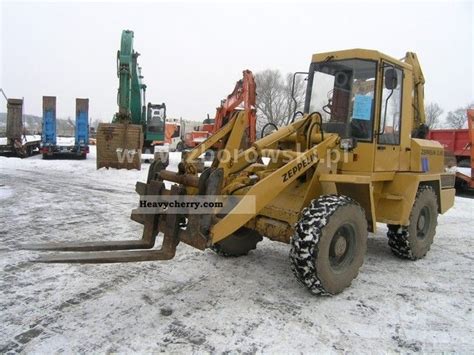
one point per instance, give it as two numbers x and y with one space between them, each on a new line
119 146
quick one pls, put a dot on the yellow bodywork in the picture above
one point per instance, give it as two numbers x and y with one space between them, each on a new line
384 181
383 178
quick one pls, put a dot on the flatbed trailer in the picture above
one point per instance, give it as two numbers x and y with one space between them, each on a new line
54 146
464 180
456 144
459 152
16 143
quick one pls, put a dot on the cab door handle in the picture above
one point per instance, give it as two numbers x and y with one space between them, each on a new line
381 147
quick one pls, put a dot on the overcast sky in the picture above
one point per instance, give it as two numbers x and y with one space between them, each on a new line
192 53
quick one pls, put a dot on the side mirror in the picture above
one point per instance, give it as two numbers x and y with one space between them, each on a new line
391 79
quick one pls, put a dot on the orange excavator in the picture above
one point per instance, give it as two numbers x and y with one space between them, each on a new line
242 98
244 93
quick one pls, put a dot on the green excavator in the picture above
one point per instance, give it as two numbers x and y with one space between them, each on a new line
136 126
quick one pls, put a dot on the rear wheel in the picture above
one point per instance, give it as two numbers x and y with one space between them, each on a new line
329 244
239 243
413 241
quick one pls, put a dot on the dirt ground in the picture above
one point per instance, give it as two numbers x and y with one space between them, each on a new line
200 302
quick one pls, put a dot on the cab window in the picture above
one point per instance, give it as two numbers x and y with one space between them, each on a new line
390 112
343 92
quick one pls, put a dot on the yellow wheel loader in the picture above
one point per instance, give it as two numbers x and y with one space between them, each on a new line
355 157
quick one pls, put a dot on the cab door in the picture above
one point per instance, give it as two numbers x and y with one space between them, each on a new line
387 141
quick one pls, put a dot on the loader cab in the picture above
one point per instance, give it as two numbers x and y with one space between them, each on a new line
343 92
359 94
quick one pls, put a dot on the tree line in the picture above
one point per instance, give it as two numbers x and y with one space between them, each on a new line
275 103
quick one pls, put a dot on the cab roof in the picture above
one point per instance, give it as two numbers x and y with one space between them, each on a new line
358 53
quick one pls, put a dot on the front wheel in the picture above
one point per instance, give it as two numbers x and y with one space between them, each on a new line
329 244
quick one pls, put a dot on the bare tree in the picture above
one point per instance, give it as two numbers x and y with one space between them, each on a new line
458 118
274 97
433 111
270 96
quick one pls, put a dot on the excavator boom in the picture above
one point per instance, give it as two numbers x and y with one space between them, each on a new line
243 93
120 143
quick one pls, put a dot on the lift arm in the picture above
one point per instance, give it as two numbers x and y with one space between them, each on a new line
419 90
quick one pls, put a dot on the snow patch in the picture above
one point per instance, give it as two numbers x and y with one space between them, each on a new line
6 192
28 138
464 171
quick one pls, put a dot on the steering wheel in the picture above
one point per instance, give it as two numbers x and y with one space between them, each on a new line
328 107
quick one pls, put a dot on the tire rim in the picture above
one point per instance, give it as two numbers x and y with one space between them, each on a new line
342 247
423 223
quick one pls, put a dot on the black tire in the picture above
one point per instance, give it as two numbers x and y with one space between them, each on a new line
237 244
329 244
414 241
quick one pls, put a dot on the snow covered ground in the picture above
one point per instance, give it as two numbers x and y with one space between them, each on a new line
199 302
4 140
